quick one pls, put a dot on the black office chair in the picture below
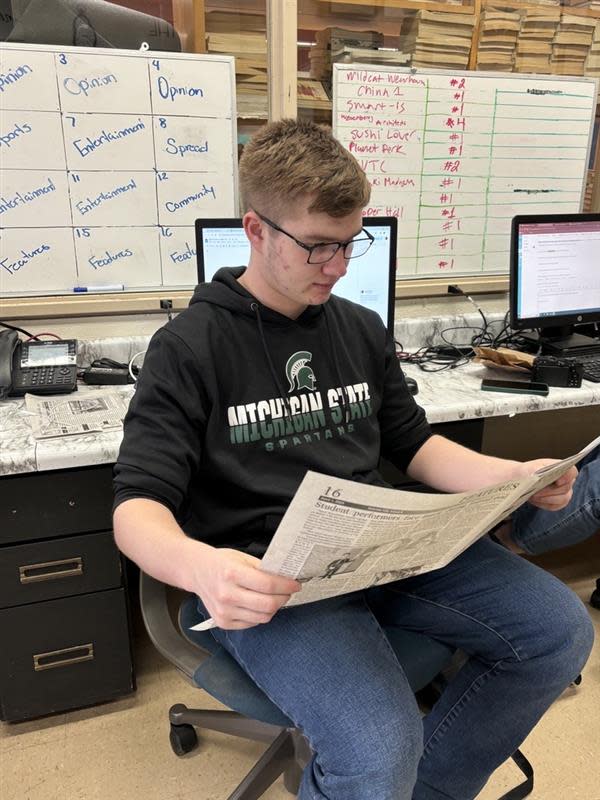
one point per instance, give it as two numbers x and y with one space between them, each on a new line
206 664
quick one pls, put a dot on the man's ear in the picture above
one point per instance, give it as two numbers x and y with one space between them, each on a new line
254 228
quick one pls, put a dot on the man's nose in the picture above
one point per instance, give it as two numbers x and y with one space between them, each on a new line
336 266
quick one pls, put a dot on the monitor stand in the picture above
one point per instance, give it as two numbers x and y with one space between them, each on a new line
567 344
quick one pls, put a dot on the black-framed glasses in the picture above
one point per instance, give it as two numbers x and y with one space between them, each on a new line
322 252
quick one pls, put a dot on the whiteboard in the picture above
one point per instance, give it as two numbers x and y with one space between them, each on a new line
455 155
106 159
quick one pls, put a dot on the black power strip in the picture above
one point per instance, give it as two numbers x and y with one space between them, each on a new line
113 376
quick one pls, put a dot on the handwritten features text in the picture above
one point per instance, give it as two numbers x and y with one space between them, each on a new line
26 256
178 258
109 258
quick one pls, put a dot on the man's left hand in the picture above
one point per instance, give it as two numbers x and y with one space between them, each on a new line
556 495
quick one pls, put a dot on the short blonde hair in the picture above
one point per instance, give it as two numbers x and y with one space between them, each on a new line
291 159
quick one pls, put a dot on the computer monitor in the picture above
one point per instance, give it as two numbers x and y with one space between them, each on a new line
555 278
370 280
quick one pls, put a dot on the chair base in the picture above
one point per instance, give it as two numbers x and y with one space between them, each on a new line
287 754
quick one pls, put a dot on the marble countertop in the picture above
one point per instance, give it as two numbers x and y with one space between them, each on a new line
456 394
446 396
21 452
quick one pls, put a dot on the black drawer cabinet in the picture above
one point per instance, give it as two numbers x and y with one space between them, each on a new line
64 623
64 654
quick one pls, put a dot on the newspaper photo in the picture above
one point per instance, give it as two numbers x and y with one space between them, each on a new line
88 412
339 536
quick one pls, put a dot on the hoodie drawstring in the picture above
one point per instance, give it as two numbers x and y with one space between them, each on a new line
255 307
346 400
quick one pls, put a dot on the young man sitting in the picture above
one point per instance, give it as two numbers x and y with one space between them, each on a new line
212 456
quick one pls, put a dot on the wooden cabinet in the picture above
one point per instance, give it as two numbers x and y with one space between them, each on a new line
64 622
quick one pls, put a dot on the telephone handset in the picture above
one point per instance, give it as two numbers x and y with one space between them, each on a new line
36 367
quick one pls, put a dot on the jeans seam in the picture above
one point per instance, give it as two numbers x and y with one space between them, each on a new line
386 641
242 662
462 614
541 535
452 713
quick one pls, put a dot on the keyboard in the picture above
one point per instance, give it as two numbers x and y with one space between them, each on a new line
591 366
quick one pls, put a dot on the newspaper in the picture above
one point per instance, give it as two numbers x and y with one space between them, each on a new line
65 415
339 536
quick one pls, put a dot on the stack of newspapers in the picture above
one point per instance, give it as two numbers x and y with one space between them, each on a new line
571 44
538 28
333 44
242 36
498 38
436 39
592 62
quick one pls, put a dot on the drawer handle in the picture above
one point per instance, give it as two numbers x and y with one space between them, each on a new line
64 657
50 570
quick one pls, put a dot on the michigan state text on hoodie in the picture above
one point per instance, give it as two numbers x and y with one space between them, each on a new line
236 402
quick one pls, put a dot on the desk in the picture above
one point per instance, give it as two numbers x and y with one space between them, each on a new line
64 621
448 396
56 493
452 395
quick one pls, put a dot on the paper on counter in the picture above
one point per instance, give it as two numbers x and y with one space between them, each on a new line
73 414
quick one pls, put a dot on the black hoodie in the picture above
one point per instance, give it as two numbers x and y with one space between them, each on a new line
236 402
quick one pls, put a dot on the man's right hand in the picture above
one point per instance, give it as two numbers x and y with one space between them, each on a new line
236 592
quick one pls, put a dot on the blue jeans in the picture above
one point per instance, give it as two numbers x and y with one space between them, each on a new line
330 668
537 531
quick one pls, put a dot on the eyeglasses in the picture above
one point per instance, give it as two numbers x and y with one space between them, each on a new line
322 252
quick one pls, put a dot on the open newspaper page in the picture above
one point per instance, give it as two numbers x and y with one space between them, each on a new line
88 412
339 536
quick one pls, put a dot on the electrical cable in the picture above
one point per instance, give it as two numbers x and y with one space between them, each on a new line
133 369
21 330
46 333
436 358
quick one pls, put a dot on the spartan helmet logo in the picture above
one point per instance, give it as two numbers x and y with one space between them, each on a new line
299 374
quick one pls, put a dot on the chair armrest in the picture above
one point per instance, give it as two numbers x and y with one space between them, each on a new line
163 632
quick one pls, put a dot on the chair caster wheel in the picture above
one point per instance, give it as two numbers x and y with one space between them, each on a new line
595 598
183 739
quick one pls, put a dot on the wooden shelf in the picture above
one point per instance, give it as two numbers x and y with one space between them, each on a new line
92 305
576 12
407 4
430 287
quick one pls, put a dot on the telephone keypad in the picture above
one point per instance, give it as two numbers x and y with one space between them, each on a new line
45 380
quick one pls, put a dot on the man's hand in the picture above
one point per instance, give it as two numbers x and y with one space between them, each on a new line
236 592
558 494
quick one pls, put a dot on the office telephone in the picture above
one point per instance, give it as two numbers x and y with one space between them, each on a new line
36 367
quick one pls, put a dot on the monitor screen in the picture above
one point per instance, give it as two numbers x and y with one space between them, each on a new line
555 272
370 280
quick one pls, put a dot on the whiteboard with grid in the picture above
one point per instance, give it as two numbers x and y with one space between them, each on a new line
455 155
107 158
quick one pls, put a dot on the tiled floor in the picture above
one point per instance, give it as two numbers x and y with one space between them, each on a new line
121 750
